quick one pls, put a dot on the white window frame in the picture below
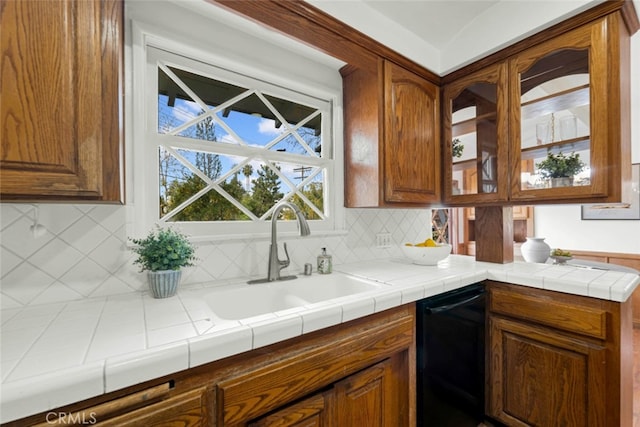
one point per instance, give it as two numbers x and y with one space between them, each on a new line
145 45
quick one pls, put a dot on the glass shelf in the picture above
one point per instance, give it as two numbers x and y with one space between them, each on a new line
571 98
570 145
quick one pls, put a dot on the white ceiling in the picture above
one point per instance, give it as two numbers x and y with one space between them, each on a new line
441 35
436 22
444 35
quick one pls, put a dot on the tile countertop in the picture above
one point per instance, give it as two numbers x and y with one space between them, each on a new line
56 354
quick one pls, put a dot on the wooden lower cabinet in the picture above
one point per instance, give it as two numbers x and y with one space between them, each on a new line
366 398
546 379
358 373
557 359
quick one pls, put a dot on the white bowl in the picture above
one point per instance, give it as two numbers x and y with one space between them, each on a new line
427 255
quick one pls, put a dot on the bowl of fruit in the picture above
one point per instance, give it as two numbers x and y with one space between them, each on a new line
560 257
426 253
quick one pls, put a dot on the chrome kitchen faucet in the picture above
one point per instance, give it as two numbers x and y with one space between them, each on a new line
275 264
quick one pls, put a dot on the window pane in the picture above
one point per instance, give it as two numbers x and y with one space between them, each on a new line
314 193
234 166
175 107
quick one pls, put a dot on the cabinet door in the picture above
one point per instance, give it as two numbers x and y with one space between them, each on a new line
411 138
475 135
563 101
60 104
367 398
539 377
314 411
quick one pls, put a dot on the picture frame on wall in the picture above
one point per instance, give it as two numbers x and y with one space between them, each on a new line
618 211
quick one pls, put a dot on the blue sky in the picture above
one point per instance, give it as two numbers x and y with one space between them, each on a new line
256 131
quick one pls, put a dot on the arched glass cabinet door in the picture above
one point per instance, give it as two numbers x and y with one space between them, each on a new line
555 153
475 131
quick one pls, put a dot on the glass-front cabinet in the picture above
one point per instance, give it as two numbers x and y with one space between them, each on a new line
475 135
549 123
559 115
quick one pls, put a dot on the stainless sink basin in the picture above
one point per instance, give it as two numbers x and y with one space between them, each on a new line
243 301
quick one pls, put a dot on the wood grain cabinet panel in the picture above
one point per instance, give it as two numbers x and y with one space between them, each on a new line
380 349
545 379
558 359
184 410
315 411
392 138
361 397
367 398
412 138
61 100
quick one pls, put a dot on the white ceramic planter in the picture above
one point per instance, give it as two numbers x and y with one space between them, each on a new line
535 250
164 283
562 182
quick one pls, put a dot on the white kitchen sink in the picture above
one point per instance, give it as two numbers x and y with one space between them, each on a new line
318 288
243 301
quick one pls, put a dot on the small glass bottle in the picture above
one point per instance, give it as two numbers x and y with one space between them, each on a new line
324 262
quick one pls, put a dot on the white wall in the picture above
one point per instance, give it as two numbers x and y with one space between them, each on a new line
84 251
562 225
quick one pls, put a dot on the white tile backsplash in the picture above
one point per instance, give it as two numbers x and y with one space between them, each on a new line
84 253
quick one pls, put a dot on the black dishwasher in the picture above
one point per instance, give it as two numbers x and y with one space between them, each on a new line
451 358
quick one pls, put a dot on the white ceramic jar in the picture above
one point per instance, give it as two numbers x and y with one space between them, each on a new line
535 250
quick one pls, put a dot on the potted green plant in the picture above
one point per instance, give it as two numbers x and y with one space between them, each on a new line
457 148
560 169
162 254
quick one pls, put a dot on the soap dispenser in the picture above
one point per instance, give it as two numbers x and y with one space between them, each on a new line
324 262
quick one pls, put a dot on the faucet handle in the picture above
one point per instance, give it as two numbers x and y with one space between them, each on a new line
286 262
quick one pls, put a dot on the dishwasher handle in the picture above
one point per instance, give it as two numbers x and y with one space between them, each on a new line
447 307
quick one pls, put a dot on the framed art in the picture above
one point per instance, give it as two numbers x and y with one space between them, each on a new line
627 210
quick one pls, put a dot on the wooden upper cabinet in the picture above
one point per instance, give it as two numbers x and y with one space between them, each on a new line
392 149
567 101
61 100
563 94
411 139
475 137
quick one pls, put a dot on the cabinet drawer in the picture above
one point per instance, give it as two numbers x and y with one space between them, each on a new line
184 410
561 311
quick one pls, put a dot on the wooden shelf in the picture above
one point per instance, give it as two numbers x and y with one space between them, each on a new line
569 145
575 97
461 165
469 126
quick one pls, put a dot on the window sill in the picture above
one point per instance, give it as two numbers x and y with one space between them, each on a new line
282 235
